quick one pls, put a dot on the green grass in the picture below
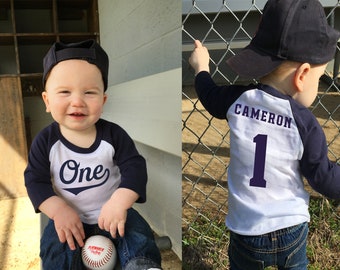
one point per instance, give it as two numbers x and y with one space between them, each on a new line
205 241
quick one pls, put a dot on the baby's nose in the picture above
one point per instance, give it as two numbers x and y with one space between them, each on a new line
77 100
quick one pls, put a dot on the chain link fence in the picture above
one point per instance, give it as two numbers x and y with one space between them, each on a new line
225 27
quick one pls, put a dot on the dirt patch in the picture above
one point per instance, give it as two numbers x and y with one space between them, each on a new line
20 235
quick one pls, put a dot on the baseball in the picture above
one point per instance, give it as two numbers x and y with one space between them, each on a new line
99 253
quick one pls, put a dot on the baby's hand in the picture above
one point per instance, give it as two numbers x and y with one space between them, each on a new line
69 227
112 218
199 59
113 215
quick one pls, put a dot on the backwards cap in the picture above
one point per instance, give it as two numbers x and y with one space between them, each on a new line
88 50
295 30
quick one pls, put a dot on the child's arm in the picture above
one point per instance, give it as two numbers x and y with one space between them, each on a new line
113 214
66 221
199 59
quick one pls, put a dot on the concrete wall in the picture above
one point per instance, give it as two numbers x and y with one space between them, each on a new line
143 40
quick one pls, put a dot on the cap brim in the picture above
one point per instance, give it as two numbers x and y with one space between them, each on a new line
252 64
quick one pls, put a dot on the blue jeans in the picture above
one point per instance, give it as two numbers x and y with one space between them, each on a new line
284 248
136 250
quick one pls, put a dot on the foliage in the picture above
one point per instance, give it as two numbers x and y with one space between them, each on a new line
205 241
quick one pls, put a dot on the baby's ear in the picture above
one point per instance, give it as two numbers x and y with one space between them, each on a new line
104 98
46 101
301 75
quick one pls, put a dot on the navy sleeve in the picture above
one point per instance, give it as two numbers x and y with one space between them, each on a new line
322 174
131 164
37 173
216 99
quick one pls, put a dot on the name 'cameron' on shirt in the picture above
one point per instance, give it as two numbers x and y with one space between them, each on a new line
262 115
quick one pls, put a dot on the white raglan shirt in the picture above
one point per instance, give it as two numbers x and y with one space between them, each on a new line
274 142
84 177
84 180
263 177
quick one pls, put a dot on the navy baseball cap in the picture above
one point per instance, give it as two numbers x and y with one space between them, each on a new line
295 30
88 50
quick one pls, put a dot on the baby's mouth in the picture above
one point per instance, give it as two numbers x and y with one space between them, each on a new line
76 114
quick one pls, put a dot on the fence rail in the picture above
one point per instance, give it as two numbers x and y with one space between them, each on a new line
225 27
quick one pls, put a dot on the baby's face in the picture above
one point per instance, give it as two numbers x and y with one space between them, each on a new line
75 94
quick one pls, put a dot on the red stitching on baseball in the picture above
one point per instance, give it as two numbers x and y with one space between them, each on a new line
102 261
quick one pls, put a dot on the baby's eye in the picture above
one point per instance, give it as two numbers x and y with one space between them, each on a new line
64 92
91 92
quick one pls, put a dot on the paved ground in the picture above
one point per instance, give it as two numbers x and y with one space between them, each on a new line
20 234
